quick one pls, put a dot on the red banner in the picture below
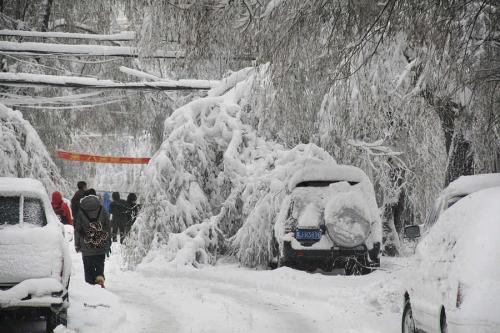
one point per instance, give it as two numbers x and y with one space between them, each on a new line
101 159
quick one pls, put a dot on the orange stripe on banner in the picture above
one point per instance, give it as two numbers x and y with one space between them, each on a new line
64 155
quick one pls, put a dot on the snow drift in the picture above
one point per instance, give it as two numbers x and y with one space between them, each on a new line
23 154
215 186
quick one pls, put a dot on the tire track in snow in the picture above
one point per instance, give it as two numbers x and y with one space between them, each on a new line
144 313
289 319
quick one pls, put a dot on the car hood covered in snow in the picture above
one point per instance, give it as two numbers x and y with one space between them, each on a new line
29 251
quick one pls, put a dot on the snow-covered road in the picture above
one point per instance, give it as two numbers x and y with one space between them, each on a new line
226 298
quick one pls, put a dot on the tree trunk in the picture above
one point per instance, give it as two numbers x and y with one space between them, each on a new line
461 156
45 10
447 111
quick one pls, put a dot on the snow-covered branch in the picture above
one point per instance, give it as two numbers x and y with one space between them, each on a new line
82 50
139 74
122 36
30 80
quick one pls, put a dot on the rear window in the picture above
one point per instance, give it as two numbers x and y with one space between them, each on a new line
33 211
9 210
322 183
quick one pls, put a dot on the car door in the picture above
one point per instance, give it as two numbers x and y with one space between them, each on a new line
431 285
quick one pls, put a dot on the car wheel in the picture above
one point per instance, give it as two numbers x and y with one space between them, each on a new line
443 323
408 323
356 266
369 267
54 319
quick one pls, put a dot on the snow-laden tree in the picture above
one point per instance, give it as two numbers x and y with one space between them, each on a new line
421 76
215 186
23 154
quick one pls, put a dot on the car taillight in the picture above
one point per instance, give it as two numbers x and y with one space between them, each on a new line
460 294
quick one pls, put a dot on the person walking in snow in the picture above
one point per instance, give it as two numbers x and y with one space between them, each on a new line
75 201
61 208
106 202
119 217
133 210
92 237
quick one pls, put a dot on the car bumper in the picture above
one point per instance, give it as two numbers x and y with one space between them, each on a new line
35 302
326 256
35 293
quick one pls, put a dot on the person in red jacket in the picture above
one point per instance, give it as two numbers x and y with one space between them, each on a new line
61 208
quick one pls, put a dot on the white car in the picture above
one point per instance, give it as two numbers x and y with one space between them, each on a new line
456 284
455 191
329 219
35 264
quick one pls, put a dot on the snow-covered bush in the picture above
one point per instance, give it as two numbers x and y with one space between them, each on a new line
22 153
215 185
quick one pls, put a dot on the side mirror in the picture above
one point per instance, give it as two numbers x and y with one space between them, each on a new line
412 231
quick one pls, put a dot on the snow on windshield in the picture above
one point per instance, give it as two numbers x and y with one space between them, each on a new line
33 212
9 210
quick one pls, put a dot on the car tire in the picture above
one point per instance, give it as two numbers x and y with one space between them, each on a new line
407 322
371 266
54 319
443 324
353 267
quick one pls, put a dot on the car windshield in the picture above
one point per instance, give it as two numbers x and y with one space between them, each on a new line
9 210
33 211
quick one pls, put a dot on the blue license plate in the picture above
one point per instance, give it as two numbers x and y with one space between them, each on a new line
302 234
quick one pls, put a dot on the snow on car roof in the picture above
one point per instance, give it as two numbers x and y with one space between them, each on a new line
327 172
12 185
469 184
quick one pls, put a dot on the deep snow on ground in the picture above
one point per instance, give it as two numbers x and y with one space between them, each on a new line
159 297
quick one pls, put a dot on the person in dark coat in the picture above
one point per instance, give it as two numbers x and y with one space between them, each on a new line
106 201
92 237
133 208
119 217
61 208
75 201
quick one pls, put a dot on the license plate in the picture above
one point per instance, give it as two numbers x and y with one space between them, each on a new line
308 234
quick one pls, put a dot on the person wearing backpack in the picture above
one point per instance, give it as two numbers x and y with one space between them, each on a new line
61 208
92 237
